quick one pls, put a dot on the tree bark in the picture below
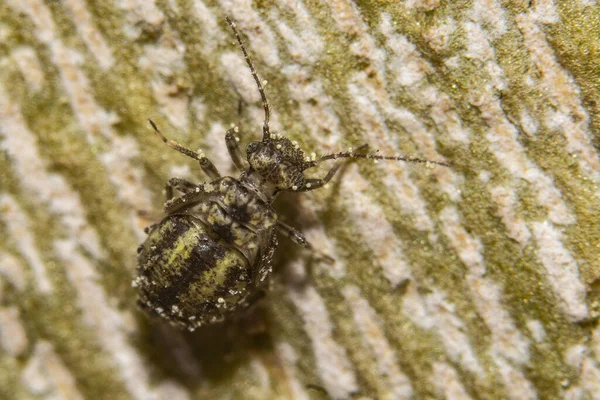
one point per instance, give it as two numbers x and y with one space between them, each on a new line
479 280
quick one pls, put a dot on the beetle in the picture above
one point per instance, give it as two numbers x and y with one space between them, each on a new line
211 255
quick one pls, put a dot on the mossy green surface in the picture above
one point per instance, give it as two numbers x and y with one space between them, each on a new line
224 355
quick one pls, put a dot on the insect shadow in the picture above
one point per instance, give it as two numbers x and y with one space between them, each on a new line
212 353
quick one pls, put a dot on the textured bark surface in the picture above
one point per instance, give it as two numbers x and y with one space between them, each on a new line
479 281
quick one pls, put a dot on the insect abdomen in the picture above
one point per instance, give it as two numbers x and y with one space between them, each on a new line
189 275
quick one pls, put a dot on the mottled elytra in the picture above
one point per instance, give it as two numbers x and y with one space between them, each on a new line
211 256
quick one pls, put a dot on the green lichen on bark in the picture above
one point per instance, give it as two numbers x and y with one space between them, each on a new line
486 83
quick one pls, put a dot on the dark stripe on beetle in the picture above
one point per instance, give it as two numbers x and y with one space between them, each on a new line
204 254
191 268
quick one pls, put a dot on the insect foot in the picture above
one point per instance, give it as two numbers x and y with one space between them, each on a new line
211 255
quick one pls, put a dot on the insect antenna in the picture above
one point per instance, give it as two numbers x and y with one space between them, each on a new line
266 133
351 154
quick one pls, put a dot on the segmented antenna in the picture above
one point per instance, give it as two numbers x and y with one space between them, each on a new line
350 154
266 133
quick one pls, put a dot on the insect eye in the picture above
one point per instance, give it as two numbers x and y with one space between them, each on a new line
252 147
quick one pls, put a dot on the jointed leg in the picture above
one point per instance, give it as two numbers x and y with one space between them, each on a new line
182 185
234 150
207 166
298 238
168 192
312 184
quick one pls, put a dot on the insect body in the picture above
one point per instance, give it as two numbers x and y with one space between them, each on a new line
212 254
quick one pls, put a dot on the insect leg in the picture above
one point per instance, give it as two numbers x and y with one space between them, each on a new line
312 184
207 166
168 191
182 185
298 238
234 150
